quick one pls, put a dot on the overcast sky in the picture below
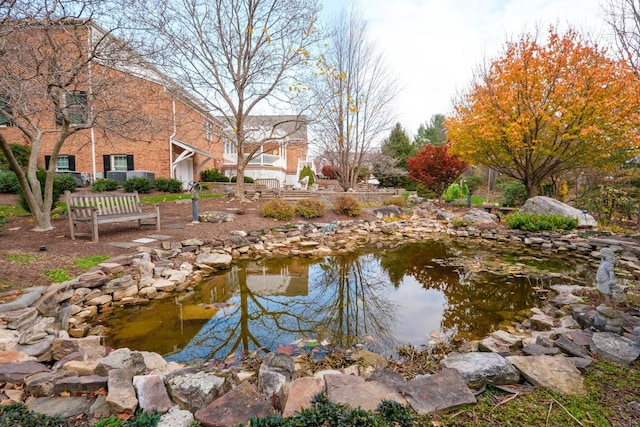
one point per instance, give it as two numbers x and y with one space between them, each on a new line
433 46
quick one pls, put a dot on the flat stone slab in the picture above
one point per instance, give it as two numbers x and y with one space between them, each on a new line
557 373
442 392
300 393
124 245
144 240
159 237
615 347
16 373
356 393
237 406
64 406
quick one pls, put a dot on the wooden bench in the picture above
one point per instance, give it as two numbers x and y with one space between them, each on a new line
94 209
267 185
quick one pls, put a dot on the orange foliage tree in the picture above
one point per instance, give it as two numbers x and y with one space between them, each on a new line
435 168
540 110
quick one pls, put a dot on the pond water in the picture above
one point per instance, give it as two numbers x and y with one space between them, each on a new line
412 294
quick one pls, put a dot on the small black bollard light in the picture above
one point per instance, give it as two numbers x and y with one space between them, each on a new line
43 248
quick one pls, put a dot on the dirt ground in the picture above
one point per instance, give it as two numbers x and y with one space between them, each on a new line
54 249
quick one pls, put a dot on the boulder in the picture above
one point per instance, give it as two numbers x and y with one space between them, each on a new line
557 373
549 205
480 368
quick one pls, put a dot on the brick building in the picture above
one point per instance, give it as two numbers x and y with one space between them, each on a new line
128 118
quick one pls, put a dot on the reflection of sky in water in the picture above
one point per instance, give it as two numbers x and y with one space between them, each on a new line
420 311
383 300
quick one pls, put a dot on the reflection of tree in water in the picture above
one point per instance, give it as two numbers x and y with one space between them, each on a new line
355 309
342 304
476 303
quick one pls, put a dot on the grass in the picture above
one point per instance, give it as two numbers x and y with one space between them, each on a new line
17 210
173 197
20 257
59 275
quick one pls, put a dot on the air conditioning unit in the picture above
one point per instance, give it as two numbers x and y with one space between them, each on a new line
151 177
120 176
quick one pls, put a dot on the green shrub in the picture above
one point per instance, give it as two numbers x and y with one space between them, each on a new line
20 151
138 183
104 184
399 201
538 222
453 192
204 186
514 193
213 175
347 205
311 208
9 182
306 171
473 182
246 179
169 185
278 209
61 183
17 414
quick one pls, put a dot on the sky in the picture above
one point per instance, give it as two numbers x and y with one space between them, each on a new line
433 46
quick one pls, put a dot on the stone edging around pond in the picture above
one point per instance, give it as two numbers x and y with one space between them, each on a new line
36 323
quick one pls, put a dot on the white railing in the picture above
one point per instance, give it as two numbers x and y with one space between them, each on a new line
265 160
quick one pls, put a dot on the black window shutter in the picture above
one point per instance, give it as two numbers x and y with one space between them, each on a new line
47 160
72 163
130 162
106 163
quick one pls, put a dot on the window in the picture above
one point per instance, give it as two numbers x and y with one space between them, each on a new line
230 147
208 131
64 163
119 162
76 108
5 110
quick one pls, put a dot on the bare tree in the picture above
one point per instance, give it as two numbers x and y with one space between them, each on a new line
355 91
624 18
240 57
58 80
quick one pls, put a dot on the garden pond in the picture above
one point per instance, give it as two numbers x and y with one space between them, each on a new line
417 294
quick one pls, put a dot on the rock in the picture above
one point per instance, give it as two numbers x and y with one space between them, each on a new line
370 358
91 280
501 342
387 212
77 384
441 392
391 379
299 394
17 372
176 417
41 384
237 406
479 368
215 217
152 393
213 261
90 347
479 216
193 390
14 357
65 407
615 347
17 319
584 314
275 370
564 343
81 367
122 358
23 301
554 372
548 205
539 350
356 392
121 397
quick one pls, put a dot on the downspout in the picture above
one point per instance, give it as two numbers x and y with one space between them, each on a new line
172 172
91 130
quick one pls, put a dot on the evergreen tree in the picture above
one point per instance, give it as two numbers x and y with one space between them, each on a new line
433 133
398 146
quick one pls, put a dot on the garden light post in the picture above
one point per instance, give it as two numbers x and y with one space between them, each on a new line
194 188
